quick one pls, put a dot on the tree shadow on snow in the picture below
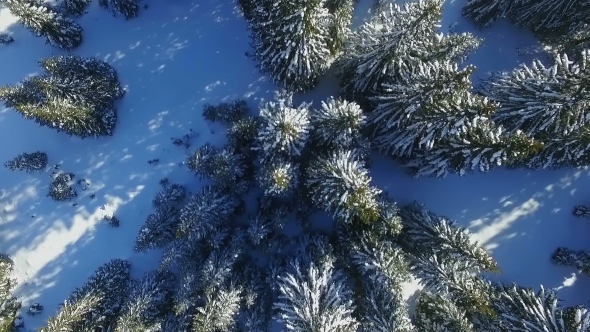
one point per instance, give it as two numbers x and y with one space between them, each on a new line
521 216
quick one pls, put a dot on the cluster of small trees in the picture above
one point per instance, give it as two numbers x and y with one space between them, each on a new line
420 104
237 269
9 306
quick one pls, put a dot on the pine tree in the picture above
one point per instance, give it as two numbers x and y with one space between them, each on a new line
482 146
338 123
96 304
486 12
284 130
278 177
400 36
549 17
148 303
571 150
160 226
292 43
75 7
428 103
225 167
9 305
543 101
340 184
72 315
127 8
29 162
314 298
448 263
226 113
523 309
75 95
45 22
438 314
219 312
341 12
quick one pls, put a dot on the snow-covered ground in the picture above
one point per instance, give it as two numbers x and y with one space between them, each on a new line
172 59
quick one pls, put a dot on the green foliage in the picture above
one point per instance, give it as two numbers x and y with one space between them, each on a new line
43 21
292 42
75 95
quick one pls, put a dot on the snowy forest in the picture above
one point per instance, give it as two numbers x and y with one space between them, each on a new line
245 252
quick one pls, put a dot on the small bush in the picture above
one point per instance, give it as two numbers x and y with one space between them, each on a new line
61 187
29 162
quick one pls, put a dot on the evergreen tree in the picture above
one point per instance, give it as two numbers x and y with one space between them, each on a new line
482 146
226 113
278 177
523 309
338 123
225 167
284 130
29 162
75 95
95 305
438 314
75 7
219 312
400 36
9 306
45 22
486 12
543 101
127 8
340 184
426 104
72 315
160 226
148 303
341 12
292 42
314 298
448 263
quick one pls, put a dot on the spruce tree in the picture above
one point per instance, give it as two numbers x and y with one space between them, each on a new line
127 8
399 36
75 95
219 312
341 12
446 261
340 184
225 167
43 21
543 101
436 313
292 42
486 12
278 177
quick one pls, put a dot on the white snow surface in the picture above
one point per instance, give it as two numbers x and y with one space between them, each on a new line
178 55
